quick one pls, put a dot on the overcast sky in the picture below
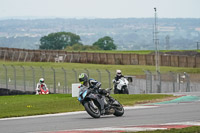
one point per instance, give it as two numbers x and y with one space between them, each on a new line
100 8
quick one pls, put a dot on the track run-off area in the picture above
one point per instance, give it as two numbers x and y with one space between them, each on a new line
178 113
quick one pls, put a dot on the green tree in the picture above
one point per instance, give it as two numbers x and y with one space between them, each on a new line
59 40
105 43
80 47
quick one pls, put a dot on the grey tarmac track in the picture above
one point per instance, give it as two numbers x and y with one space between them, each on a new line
161 114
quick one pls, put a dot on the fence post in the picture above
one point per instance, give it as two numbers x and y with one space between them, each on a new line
13 55
25 56
187 77
75 73
6 74
109 78
173 80
33 74
19 56
15 84
5 54
99 74
151 91
87 72
24 77
65 79
159 82
148 81
43 75
179 82
54 79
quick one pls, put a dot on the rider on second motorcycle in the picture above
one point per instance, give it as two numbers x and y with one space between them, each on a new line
117 77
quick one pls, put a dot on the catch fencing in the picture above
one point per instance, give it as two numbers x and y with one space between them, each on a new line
171 82
60 80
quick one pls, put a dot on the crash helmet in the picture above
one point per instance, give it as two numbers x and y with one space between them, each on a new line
94 83
118 73
41 80
83 78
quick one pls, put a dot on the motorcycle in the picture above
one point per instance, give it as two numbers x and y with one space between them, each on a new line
43 91
121 86
96 104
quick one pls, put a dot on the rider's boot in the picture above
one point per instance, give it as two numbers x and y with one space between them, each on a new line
102 111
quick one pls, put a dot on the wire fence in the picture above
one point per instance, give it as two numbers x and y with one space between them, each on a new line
60 80
171 82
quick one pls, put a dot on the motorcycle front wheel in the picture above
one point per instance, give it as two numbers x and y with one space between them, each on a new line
126 90
119 110
92 109
116 91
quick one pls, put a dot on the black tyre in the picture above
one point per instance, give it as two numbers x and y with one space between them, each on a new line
91 110
126 90
116 91
119 110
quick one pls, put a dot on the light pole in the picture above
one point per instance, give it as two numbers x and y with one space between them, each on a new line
156 42
198 45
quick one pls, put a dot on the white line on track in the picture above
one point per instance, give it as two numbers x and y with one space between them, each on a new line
70 113
144 127
132 128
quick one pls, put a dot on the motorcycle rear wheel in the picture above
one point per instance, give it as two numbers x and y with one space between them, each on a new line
94 112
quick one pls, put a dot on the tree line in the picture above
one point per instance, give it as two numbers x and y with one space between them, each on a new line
71 41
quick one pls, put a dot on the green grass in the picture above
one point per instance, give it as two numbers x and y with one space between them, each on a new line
137 98
26 105
193 129
122 52
132 51
126 69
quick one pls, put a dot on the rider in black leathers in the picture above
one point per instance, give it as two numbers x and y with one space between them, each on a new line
93 85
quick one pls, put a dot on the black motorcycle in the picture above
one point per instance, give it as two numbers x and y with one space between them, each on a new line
96 104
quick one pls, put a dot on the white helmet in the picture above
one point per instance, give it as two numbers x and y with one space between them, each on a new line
118 72
41 80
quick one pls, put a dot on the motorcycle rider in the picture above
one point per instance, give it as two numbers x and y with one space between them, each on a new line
92 84
39 85
117 77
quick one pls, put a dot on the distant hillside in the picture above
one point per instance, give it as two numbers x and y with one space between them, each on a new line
128 34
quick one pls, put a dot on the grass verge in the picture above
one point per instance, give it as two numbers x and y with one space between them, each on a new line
126 69
134 51
26 105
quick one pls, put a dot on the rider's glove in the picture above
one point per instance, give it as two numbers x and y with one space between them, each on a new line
103 91
98 85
